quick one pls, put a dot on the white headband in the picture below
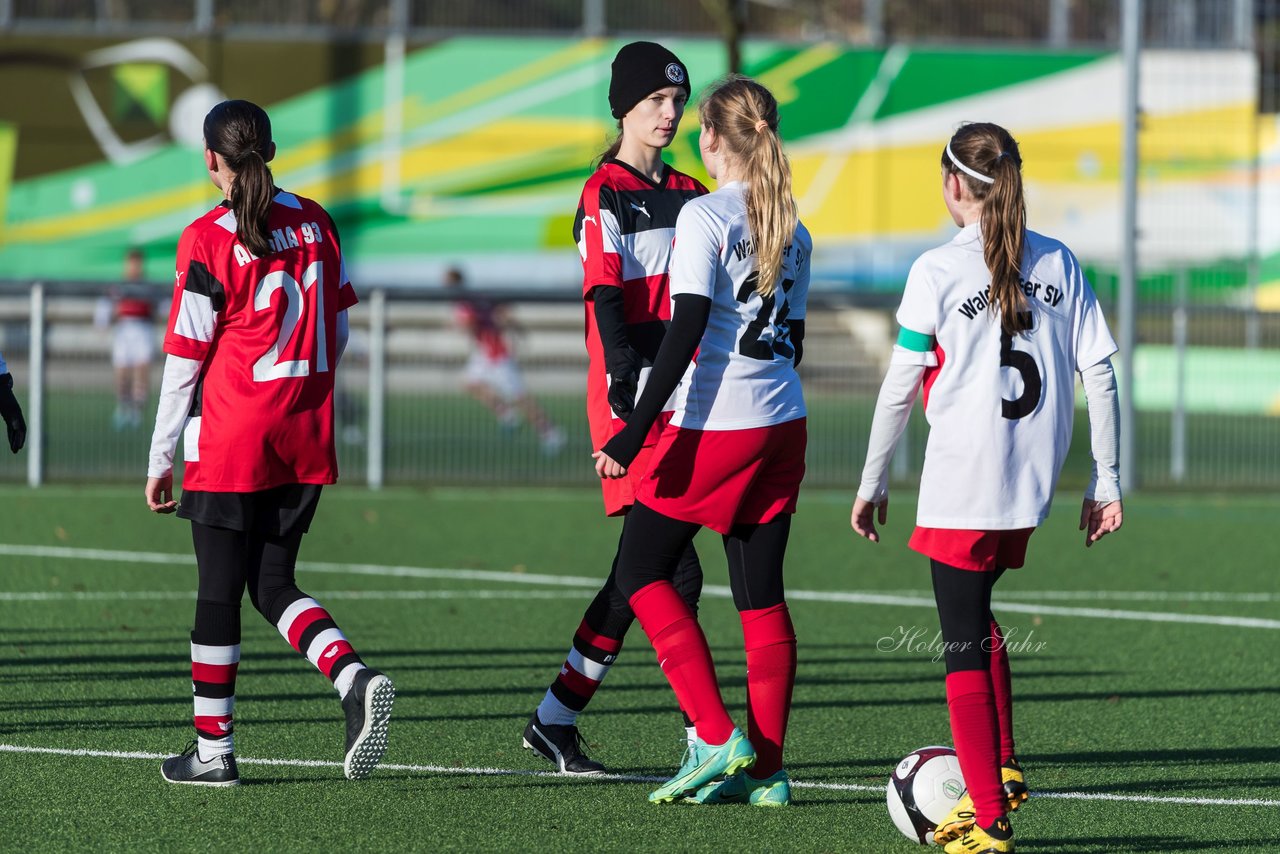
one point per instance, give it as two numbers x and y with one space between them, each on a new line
966 170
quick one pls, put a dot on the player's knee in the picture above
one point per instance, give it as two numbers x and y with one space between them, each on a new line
609 614
271 601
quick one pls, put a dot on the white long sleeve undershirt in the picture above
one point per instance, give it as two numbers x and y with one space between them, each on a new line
176 392
344 334
1103 402
893 409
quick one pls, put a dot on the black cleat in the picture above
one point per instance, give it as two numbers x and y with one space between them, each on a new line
188 768
562 746
368 709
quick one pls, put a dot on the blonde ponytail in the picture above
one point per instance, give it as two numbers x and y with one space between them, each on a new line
744 116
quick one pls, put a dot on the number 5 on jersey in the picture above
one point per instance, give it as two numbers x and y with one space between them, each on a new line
268 367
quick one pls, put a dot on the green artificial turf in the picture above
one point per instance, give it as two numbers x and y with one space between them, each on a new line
1107 706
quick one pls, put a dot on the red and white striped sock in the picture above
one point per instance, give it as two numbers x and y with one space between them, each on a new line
213 682
311 631
588 662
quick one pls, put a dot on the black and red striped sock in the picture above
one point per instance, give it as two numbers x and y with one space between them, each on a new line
588 662
215 657
311 631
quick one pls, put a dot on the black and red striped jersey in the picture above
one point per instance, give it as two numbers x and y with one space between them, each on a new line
266 330
623 229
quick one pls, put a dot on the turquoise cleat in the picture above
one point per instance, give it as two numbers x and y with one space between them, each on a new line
774 791
706 762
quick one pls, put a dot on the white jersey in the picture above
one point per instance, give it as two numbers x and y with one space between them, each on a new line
744 374
999 407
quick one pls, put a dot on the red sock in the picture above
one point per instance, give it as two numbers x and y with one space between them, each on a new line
977 736
770 641
684 657
1002 686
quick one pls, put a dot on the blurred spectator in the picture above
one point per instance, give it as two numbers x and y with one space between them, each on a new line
130 312
492 375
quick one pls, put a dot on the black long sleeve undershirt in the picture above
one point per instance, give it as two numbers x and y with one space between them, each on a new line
797 339
610 322
689 314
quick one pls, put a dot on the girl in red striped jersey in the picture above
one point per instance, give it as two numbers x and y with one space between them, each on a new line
258 324
733 458
624 226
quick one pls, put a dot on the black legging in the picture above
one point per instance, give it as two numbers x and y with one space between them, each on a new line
228 560
964 610
611 616
652 546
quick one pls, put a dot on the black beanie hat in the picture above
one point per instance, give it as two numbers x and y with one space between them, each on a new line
639 70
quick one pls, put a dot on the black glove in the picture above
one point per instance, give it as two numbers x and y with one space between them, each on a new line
12 414
624 379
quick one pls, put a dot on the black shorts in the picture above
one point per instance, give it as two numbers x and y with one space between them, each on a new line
280 511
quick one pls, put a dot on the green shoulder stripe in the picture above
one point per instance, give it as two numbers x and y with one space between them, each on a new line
917 341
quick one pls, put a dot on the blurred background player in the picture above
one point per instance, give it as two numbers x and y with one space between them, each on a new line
492 375
733 457
995 325
130 314
625 222
10 411
258 325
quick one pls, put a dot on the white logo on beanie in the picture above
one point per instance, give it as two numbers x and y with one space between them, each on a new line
675 73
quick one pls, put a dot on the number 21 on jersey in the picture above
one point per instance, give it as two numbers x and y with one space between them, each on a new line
299 310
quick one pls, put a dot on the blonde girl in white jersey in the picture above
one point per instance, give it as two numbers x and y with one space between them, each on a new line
995 326
733 458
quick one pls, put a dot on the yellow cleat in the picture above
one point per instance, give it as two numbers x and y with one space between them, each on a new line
1015 784
998 839
960 819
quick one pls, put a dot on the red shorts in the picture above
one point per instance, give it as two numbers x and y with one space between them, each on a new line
620 493
720 478
981 551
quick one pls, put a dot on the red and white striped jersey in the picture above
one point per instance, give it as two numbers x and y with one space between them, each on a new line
266 330
624 228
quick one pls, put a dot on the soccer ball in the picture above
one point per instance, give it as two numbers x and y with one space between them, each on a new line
922 790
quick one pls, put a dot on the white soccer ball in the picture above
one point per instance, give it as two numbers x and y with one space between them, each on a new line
922 789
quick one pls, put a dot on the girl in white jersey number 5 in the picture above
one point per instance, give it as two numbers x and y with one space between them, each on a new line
995 325
735 458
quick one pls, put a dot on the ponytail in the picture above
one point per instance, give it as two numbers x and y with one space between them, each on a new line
744 116
241 133
611 152
992 152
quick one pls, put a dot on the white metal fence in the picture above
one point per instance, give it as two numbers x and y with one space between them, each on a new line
403 416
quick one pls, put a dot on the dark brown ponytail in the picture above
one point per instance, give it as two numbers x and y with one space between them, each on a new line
615 145
240 131
991 151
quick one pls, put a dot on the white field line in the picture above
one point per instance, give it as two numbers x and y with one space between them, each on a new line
621 778
577 581
190 595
